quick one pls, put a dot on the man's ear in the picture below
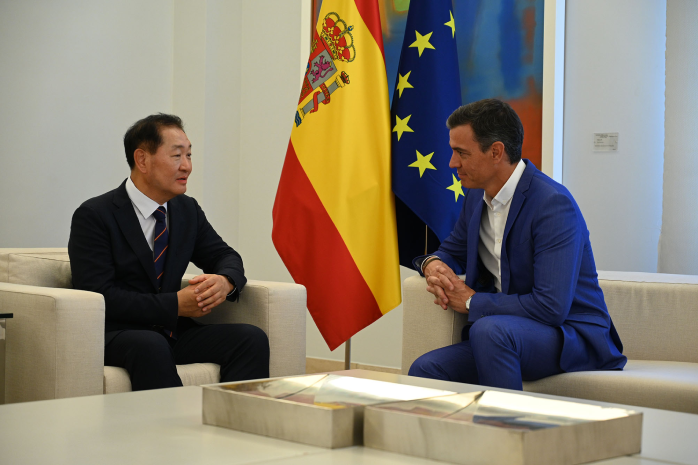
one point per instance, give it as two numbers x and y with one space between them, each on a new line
139 157
498 154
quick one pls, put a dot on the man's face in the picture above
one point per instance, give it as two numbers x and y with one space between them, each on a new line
475 168
169 167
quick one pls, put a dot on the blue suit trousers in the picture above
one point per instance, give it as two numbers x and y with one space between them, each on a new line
501 351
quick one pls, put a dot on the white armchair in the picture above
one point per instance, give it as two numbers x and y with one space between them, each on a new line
655 315
55 341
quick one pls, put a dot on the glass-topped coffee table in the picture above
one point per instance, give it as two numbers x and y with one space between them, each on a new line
165 426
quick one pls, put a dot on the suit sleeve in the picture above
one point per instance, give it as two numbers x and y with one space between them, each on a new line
214 256
93 269
558 244
453 250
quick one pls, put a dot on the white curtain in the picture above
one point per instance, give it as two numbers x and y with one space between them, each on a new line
678 241
614 82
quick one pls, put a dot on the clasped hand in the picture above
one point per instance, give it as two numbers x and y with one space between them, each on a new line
203 293
447 287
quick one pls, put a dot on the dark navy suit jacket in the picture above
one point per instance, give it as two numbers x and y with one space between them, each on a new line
110 255
548 270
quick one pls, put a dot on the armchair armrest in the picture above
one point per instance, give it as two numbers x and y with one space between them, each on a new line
425 326
55 342
279 309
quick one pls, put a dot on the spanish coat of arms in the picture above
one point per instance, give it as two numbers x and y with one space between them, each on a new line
334 43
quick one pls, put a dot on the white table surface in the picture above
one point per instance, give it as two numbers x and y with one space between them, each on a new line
164 426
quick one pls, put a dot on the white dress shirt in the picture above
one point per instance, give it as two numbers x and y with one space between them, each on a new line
493 222
144 207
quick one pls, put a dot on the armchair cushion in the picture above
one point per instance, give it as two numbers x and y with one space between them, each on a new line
650 383
36 267
655 314
116 379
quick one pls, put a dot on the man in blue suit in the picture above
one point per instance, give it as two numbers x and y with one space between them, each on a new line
531 291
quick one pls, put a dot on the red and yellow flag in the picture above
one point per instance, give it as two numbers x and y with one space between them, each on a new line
334 214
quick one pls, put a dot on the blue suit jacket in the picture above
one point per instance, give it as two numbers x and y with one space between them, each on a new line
548 270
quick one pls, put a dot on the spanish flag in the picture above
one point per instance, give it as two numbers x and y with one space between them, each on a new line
334 213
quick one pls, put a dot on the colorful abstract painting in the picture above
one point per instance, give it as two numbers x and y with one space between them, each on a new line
500 51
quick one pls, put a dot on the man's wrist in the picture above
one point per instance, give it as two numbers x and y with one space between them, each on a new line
428 260
232 283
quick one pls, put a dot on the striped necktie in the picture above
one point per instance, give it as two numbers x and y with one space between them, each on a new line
160 243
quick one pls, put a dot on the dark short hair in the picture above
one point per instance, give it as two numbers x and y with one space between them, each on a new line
492 121
145 134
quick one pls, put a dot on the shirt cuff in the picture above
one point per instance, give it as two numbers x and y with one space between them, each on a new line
235 288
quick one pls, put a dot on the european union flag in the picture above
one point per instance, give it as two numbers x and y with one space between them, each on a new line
426 92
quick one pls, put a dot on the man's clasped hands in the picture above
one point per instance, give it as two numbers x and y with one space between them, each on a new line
203 293
447 287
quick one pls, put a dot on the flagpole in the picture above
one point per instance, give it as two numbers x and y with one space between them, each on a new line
347 354
426 238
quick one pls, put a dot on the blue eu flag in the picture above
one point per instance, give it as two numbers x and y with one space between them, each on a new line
426 92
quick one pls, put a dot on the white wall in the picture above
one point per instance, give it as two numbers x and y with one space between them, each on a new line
73 76
269 95
614 82
678 247
207 84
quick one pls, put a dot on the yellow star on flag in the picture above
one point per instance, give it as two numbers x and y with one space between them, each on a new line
402 82
452 25
457 187
423 163
422 42
401 126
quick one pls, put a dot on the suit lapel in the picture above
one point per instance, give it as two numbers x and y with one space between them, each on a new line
471 273
517 202
131 229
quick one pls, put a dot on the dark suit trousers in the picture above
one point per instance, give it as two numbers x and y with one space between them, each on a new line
502 351
150 357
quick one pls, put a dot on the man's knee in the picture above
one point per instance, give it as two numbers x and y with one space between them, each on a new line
148 347
494 330
428 366
255 339
143 348
147 356
247 341
248 358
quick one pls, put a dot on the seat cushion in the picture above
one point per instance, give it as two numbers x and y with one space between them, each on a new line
656 314
645 383
195 374
36 267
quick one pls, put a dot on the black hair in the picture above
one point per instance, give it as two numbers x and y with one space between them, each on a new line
145 134
492 121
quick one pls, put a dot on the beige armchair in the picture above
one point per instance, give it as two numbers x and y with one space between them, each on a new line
55 342
656 316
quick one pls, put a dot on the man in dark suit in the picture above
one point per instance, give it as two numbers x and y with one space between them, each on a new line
133 245
531 291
